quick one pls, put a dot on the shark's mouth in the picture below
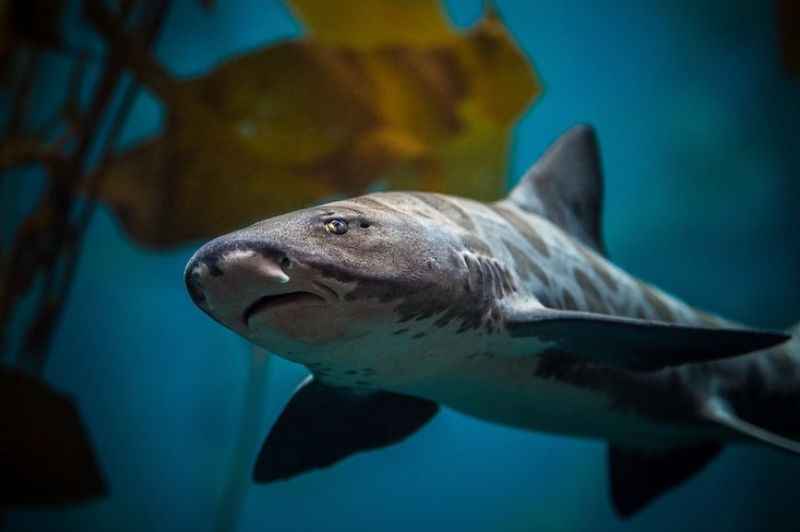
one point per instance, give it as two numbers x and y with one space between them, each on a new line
272 302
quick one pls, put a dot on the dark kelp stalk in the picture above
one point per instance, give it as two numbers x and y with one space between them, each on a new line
374 95
46 455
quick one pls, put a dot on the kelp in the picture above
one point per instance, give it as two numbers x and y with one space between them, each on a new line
788 21
46 455
377 94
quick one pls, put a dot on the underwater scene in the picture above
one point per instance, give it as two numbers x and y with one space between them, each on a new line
297 265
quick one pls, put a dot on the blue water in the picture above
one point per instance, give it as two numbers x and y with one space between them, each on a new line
700 132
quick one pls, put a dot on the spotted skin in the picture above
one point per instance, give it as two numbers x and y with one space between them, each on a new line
451 313
412 300
418 294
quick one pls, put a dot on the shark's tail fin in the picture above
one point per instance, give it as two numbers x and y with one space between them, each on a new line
639 476
770 408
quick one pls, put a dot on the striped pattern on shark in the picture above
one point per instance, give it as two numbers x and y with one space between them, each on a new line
398 302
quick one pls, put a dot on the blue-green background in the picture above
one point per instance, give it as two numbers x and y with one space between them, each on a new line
700 132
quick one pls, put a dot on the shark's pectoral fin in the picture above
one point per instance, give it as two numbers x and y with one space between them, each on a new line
720 412
638 476
322 425
635 344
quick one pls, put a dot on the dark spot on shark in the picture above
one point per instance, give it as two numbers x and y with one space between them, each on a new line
448 208
401 331
425 314
464 328
418 335
215 270
593 297
524 228
370 201
351 372
540 274
569 301
601 270
526 268
657 303
669 396
444 320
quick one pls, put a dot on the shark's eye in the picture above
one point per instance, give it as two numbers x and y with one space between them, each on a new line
336 227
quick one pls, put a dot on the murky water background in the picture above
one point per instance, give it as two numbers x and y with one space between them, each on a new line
700 133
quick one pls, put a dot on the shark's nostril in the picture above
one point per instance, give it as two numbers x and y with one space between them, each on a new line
286 263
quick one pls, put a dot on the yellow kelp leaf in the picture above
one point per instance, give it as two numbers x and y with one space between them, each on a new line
373 24
320 117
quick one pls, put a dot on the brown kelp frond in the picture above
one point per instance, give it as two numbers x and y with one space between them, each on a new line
416 105
47 457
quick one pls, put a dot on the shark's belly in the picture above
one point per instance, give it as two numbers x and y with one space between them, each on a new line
462 372
507 391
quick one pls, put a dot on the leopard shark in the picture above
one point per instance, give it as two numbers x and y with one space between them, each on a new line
510 312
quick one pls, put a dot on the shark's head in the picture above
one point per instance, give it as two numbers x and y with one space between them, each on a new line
330 274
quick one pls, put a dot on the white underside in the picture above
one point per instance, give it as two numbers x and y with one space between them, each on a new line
489 378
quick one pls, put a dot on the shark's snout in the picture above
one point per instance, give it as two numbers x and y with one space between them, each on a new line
235 281
224 278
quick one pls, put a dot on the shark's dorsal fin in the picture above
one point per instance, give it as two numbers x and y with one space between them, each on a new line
566 186
637 476
633 344
324 424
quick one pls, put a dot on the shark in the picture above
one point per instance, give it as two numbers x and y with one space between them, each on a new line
399 303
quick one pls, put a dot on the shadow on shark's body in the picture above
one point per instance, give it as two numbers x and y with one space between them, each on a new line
402 301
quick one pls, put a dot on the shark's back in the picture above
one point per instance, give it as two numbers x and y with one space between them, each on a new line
548 232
